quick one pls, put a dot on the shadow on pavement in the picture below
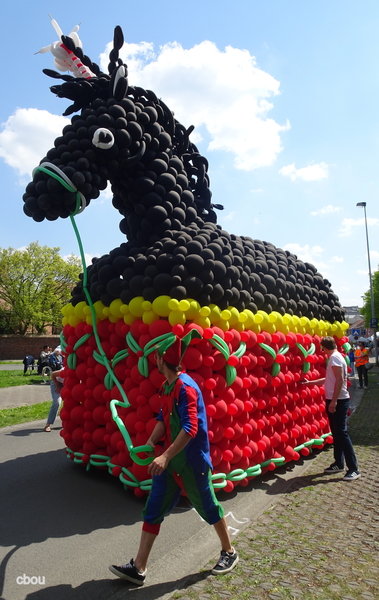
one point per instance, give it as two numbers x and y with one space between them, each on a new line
45 496
30 431
96 589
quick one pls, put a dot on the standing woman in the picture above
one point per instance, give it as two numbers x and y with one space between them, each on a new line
361 356
56 385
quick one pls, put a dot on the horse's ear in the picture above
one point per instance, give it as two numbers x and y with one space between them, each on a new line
118 38
119 82
118 42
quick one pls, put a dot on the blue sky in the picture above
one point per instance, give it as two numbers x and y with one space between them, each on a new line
284 96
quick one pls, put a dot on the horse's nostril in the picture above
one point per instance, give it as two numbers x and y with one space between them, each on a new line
103 138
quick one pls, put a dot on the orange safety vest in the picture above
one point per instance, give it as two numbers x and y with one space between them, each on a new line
361 357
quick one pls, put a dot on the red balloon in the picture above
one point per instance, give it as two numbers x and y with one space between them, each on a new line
98 437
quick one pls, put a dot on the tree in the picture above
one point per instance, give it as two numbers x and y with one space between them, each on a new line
366 310
35 284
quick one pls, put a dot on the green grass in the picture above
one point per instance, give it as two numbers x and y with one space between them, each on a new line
24 414
13 378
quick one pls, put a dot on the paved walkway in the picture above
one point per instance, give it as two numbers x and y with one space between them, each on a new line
319 540
24 395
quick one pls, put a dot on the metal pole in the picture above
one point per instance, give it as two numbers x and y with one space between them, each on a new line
371 290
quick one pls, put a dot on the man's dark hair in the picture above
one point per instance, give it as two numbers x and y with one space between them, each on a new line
328 343
173 368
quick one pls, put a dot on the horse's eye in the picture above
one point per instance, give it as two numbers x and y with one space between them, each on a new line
103 138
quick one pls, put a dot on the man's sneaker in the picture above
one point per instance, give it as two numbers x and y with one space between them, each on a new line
226 562
351 476
129 572
334 469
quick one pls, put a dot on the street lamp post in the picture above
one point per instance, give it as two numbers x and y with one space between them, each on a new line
371 290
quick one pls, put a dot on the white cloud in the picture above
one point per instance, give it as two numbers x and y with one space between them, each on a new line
326 210
348 225
26 137
310 173
257 191
87 257
362 272
230 216
315 256
374 256
311 254
223 93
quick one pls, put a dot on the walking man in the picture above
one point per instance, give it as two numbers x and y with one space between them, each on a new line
361 359
183 463
337 404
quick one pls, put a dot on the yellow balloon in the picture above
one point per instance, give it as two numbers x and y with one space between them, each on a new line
149 317
160 306
223 325
273 317
115 308
215 314
203 322
73 320
184 305
99 307
79 309
194 309
129 318
124 308
234 316
176 317
68 310
225 315
135 306
173 304
247 318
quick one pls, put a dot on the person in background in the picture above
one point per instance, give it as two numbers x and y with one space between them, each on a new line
352 361
337 400
183 464
43 360
56 360
56 385
361 356
27 362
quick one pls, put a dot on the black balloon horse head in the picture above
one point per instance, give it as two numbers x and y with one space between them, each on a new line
160 185
127 136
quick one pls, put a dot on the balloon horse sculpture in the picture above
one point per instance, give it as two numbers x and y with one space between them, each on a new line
259 310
